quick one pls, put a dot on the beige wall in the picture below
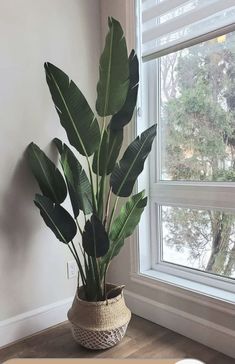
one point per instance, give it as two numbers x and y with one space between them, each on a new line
67 33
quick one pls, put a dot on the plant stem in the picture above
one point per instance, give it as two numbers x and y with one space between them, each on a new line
72 253
98 192
92 186
74 249
100 198
112 213
83 281
76 257
79 228
107 206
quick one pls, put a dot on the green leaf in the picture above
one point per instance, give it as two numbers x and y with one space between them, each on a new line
78 184
49 178
115 144
109 151
95 240
112 252
128 218
59 145
123 226
125 173
75 114
56 218
123 116
114 72
99 163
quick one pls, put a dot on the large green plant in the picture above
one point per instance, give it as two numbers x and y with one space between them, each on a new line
102 236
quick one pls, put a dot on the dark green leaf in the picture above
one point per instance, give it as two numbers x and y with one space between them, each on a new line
128 218
131 165
49 178
115 144
114 72
78 184
112 252
123 116
75 114
109 151
59 145
123 226
56 218
95 240
100 157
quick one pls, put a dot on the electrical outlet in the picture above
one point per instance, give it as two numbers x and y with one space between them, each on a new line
72 270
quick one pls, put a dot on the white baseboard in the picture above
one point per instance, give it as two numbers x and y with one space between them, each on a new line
31 322
206 332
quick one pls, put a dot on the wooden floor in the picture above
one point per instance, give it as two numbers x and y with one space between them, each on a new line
143 340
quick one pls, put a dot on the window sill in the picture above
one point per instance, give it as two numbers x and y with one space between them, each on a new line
192 291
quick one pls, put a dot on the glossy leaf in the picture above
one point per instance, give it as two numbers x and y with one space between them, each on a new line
95 240
56 218
100 157
123 226
78 184
114 72
112 252
124 116
131 165
49 178
75 114
128 218
109 151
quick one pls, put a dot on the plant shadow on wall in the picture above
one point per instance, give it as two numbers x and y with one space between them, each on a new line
94 195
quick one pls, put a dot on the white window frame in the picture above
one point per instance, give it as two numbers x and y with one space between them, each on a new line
205 195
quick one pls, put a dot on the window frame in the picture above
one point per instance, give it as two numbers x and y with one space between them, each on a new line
173 193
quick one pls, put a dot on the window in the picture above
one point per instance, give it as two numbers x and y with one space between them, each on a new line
188 88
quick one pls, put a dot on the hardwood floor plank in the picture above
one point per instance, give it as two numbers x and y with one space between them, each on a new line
144 339
164 346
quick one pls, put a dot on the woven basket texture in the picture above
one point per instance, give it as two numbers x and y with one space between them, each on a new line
97 340
99 325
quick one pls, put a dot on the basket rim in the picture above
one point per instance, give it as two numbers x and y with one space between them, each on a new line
107 302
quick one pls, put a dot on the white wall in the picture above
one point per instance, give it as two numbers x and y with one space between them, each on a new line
66 33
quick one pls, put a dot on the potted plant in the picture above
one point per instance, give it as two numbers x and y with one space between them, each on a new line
98 315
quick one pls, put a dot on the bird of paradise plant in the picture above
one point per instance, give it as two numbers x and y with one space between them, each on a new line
99 140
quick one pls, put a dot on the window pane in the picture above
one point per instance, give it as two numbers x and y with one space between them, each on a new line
199 239
198 112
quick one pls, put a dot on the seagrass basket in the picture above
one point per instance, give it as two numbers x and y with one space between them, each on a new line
99 325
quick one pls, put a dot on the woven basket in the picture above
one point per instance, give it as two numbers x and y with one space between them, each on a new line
99 325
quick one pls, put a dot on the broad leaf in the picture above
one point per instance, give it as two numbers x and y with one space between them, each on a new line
95 240
123 226
56 218
115 144
125 173
112 252
114 72
100 157
109 151
49 178
78 184
128 218
123 116
75 114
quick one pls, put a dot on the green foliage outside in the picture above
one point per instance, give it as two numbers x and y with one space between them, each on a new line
198 113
